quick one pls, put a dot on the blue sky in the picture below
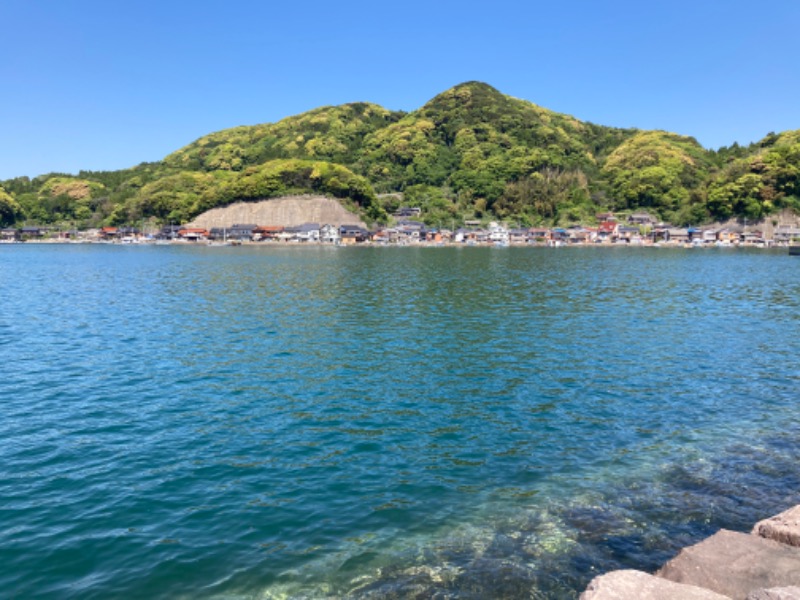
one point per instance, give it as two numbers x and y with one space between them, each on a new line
94 85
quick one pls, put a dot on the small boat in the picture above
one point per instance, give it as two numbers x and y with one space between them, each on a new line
794 250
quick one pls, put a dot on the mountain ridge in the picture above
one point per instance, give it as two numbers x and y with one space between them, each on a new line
469 152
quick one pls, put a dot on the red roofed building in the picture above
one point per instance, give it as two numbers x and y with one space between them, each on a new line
193 234
606 230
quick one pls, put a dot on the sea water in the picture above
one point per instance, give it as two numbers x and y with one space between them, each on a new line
318 422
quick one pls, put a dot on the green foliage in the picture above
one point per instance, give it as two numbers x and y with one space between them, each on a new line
656 170
406 153
469 152
63 199
181 196
756 185
549 196
331 133
73 188
437 204
172 199
283 177
475 140
10 210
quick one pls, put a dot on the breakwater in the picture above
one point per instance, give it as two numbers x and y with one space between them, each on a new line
728 565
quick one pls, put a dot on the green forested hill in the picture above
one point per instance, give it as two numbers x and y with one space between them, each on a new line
474 151
469 152
332 133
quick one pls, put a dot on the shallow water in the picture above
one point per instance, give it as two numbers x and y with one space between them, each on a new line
378 422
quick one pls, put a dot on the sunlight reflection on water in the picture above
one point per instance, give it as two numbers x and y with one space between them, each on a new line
385 422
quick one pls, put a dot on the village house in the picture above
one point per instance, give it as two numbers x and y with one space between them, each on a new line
109 233
705 236
9 234
752 238
128 235
591 234
265 232
678 235
558 236
578 235
785 234
481 236
434 235
34 231
408 211
641 219
660 234
168 232
412 231
218 233
462 235
69 234
329 234
353 234
625 233
128 231
307 232
384 236
498 234
241 231
193 234
517 236
538 235
725 236
606 231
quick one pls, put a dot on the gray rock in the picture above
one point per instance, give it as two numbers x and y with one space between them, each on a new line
784 528
637 585
735 564
785 593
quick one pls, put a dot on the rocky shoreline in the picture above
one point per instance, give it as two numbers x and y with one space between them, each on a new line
762 565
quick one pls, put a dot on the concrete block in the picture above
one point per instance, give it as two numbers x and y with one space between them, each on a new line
637 585
784 593
784 528
735 564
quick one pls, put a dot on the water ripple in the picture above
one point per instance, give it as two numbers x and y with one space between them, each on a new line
378 423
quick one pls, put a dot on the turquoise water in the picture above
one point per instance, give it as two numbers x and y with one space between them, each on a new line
385 423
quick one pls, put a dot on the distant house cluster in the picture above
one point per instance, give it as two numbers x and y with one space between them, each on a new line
635 229
250 232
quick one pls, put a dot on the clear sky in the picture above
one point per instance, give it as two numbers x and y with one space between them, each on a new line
96 85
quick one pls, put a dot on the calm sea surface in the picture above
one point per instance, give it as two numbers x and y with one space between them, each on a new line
385 423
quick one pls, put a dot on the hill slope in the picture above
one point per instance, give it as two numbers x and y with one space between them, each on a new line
330 133
469 152
285 211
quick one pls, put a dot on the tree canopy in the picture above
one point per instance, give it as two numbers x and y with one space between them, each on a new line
469 152
10 210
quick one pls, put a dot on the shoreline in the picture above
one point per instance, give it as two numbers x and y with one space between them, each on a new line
372 244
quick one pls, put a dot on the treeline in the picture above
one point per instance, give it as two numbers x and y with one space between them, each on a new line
471 152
